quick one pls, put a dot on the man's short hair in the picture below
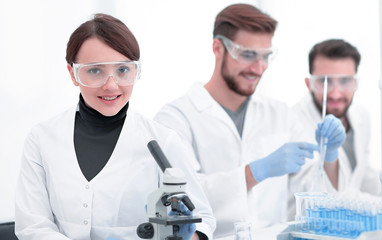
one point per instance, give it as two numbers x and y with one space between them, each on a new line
334 49
242 17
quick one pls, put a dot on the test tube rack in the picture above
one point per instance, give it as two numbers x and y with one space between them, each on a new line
323 216
291 233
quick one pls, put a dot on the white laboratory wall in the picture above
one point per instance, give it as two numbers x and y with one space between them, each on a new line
175 37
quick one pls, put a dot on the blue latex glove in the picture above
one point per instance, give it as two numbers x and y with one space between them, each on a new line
287 159
112 238
332 129
185 230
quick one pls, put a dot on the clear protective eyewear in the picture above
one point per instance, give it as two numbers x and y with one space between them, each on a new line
95 75
344 83
247 55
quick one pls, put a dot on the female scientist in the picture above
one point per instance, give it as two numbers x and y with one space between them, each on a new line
86 173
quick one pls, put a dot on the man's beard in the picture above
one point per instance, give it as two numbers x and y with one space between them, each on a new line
339 114
232 84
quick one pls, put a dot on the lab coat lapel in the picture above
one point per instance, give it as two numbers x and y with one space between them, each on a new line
68 158
253 120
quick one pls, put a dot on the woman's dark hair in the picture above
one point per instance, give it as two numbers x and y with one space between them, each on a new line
108 29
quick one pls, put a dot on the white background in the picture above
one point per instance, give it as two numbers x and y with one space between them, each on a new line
175 37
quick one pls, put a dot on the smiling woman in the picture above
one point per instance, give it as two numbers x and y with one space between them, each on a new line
80 169
107 94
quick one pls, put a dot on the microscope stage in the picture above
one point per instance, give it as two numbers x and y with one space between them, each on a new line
174 220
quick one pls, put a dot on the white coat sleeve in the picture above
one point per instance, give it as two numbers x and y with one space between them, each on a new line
225 190
33 215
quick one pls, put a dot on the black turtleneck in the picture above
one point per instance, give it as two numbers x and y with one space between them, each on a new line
95 137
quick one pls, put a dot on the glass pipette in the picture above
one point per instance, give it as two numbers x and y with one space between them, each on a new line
323 141
318 183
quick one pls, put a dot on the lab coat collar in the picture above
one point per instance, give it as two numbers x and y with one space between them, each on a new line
354 117
314 112
200 97
204 102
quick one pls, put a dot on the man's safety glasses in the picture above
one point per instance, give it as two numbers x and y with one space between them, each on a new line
246 55
344 83
95 75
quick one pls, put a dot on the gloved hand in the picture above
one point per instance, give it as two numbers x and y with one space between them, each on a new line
185 230
334 131
287 159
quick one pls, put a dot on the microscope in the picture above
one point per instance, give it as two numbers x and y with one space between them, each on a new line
170 193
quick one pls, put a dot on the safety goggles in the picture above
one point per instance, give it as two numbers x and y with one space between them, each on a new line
344 83
95 75
247 55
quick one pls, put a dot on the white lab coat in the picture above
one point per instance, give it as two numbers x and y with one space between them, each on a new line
55 201
221 155
363 178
